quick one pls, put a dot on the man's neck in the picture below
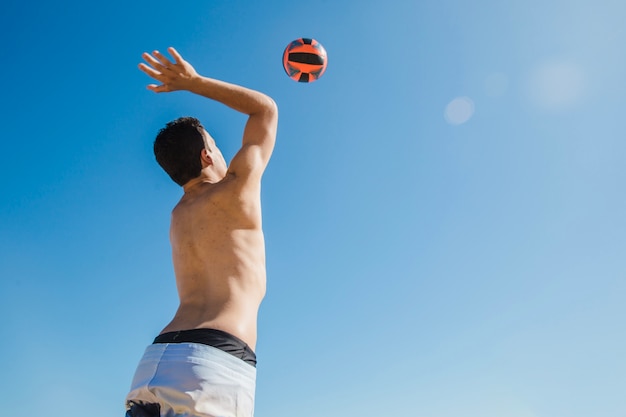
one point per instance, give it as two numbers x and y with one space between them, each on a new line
204 178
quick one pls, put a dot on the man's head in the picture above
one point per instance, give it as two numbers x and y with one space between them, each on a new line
184 148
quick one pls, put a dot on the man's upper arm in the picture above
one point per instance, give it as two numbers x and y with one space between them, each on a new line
259 137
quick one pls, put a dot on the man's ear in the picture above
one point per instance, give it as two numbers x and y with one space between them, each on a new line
205 158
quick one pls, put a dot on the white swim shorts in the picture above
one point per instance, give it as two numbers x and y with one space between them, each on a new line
191 380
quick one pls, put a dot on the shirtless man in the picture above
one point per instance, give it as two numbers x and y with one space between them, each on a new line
203 362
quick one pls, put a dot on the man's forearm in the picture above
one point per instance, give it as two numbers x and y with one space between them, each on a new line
239 98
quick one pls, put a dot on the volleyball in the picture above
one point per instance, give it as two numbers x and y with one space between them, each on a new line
305 60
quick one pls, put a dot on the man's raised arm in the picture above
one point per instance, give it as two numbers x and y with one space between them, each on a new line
260 132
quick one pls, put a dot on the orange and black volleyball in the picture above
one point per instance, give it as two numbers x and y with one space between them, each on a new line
304 60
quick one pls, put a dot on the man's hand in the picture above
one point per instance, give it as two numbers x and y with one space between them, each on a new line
174 76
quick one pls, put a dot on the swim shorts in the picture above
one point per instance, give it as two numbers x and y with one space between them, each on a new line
191 379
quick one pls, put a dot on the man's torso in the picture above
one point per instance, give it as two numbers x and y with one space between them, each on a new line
218 253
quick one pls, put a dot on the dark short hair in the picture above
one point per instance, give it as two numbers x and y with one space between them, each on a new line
177 149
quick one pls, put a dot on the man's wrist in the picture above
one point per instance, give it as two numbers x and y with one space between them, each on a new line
195 83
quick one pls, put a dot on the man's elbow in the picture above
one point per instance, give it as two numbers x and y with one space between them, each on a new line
265 114
269 105
267 111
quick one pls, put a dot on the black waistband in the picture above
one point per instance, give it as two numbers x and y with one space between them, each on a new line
211 337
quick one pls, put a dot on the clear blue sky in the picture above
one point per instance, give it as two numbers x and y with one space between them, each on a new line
444 210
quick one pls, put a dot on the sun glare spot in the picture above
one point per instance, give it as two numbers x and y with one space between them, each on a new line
556 85
459 110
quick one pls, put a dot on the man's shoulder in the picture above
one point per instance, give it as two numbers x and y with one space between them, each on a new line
228 191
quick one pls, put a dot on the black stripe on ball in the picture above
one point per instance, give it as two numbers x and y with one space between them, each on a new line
307 41
306 58
304 78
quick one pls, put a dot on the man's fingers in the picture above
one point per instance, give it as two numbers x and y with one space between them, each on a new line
179 59
158 88
153 62
162 58
150 71
159 67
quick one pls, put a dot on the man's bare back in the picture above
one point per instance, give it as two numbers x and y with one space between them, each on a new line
219 259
